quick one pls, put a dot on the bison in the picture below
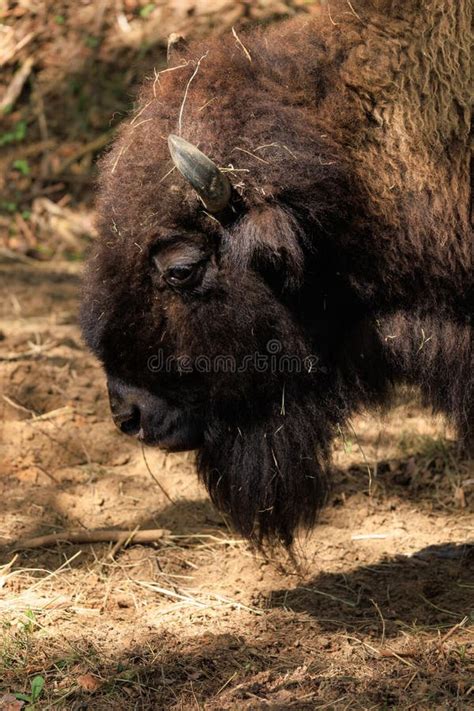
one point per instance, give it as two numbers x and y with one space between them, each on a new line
285 236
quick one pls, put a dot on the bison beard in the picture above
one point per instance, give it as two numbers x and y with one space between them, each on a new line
267 477
318 194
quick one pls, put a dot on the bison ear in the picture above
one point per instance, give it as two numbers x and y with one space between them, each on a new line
177 46
269 240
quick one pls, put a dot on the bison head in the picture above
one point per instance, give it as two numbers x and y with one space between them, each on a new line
213 307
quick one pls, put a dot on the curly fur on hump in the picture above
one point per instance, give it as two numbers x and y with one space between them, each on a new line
346 139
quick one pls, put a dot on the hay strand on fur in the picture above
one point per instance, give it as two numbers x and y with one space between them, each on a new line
181 110
240 44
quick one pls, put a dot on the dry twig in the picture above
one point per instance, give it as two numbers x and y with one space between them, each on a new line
16 85
91 147
98 536
450 632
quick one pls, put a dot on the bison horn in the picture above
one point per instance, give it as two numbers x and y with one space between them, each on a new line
212 186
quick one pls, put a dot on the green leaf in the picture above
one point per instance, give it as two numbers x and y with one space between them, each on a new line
37 685
92 41
147 10
17 134
23 697
22 165
60 19
8 206
74 256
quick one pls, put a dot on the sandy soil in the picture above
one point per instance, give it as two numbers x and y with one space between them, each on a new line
378 613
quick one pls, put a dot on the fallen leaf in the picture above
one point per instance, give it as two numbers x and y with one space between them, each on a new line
88 682
9 702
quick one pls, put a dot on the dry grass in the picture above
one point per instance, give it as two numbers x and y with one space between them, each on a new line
161 642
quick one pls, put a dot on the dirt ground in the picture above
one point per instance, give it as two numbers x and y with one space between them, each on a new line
378 613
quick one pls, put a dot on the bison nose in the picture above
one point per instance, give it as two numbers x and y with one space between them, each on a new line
128 420
126 412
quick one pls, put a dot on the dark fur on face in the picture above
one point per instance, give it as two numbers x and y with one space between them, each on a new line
346 251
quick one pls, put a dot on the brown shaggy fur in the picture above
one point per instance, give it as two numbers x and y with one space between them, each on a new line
346 139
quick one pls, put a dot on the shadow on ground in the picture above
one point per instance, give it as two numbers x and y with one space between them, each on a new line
340 640
431 588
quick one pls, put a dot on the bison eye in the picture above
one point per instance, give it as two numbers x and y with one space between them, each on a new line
181 274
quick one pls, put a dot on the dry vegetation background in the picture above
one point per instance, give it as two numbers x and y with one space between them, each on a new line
378 612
